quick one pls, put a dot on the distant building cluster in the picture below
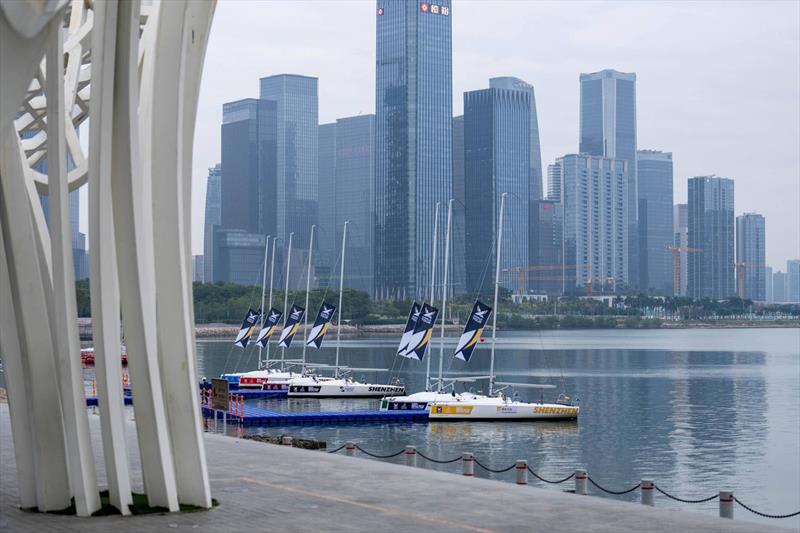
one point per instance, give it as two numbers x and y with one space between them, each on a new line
606 225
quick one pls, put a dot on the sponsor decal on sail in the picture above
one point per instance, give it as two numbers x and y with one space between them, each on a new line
248 327
411 322
321 324
478 319
269 328
422 332
291 325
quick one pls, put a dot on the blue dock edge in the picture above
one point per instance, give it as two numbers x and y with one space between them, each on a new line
256 416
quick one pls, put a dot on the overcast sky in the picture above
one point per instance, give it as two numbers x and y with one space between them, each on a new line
718 83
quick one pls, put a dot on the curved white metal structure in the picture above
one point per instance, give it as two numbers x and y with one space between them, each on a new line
132 69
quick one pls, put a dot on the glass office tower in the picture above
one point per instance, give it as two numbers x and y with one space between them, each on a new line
680 256
496 161
608 129
751 257
655 221
297 137
213 213
327 244
711 238
413 128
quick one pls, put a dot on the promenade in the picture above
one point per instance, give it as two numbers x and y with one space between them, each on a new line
264 487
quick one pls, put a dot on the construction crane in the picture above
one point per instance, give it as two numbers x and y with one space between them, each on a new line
676 264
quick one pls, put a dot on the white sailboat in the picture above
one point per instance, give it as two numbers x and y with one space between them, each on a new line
337 387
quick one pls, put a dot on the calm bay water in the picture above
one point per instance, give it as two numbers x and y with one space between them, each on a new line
696 410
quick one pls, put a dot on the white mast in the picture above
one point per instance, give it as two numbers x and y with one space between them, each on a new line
263 286
271 276
496 289
341 289
308 287
433 285
444 291
286 292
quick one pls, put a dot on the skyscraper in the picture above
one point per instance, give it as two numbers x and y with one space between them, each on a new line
779 293
770 293
354 199
327 243
497 161
594 194
546 247
508 82
751 275
793 281
655 221
213 218
297 137
711 234
554 182
608 129
413 165
680 258
457 279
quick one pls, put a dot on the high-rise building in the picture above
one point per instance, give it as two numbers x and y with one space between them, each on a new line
80 258
354 199
297 120
770 293
608 129
680 257
457 279
793 281
594 194
198 263
546 247
497 161
654 175
554 182
213 219
751 275
508 82
327 244
779 293
238 256
413 165
711 236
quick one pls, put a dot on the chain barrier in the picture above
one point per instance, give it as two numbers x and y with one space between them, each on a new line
556 482
553 482
616 492
668 495
765 515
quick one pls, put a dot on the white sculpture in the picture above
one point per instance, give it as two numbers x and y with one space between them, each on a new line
133 70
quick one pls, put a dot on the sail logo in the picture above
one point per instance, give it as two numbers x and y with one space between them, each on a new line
296 315
274 316
480 316
473 330
428 316
326 313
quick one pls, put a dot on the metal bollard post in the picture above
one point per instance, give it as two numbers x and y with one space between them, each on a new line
522 472
725 504
648 492
286 440
468 459
580 482
350 449
411 456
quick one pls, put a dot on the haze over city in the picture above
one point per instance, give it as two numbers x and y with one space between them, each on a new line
717 84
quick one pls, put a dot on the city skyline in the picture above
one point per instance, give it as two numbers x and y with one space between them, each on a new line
671 92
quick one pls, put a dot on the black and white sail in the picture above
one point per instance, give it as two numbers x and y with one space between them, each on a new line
411 323
423 331
291 326
270 327
248 327
321 324
478 319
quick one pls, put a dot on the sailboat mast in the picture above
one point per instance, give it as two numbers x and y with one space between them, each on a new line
496 290
308 288
286 292
341 290
271 277
444 291
263 286
433 285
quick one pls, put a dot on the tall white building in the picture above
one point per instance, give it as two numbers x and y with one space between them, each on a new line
751 281
793 281
554 182
596 218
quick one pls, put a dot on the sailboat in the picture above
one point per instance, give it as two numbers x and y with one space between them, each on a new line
335 387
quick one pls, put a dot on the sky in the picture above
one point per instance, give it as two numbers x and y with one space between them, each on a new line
718 83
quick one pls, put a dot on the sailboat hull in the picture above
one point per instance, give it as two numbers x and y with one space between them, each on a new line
340 388
500 409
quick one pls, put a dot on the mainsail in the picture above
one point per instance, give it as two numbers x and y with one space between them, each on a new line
321 324
269 328
291 326
472 331
248 326
422 332
411 323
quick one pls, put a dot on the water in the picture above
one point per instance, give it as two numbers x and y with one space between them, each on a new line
695 410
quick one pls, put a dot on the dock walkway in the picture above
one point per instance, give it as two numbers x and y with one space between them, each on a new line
264 487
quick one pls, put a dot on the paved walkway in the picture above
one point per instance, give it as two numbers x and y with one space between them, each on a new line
264 487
